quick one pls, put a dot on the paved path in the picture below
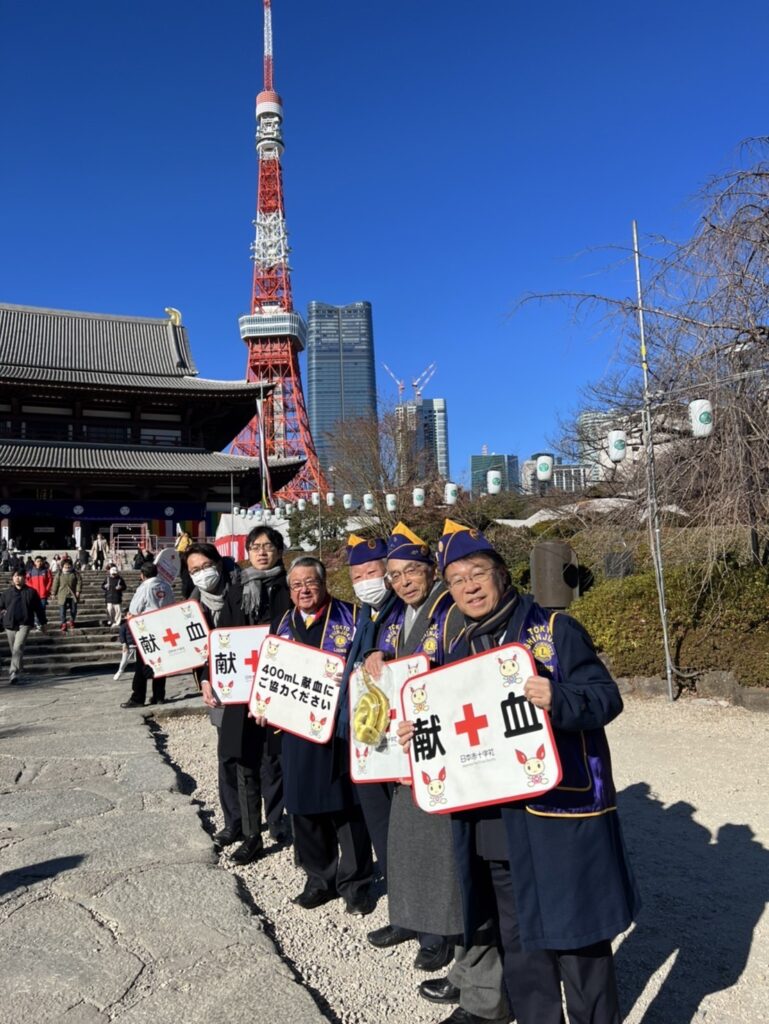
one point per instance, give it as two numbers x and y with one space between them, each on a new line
111 904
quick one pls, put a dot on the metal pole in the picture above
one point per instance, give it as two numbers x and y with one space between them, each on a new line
651 476
233 544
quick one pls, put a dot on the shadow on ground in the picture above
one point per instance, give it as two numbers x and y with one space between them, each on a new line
702 896
19 877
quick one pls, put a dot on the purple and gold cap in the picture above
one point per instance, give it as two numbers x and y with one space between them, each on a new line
403 543
459 542
361 549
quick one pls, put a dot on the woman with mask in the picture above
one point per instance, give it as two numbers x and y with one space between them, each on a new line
113 587
66 590
249 754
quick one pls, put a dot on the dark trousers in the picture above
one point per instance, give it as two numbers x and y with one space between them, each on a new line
139 684
245 781
533 979
334 851
375 799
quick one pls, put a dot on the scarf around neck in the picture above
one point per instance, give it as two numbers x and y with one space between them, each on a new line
485 633
253 581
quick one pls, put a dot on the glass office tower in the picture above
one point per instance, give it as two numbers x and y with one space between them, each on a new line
341 380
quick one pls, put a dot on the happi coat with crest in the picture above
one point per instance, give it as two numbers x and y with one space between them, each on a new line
316 776
572 880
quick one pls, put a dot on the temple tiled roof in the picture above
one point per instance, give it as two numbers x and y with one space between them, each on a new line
106 459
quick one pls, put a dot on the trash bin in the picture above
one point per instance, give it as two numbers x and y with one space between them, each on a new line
554 574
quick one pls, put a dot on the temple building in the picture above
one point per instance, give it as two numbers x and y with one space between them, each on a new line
104 421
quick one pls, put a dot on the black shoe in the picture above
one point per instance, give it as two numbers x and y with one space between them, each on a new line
309 899
460 1016
281 832
131 704
360 906
439 990
227 836
432 958
388 936
249 850
158 700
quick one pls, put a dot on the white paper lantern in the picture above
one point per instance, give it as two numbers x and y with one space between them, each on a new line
493 481
315 498
450 494
544 467
418 497
368 502
347 500
301 504
330 499
259 516
289 508
701 417
617 443
391 502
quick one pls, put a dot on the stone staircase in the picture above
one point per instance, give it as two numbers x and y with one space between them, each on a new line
90 646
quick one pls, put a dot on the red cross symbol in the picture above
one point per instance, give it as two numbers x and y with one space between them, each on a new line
472 725
252 661
170 637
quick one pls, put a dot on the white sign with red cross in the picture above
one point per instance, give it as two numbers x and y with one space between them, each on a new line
233 659
173 639
477 740
387 761
297 688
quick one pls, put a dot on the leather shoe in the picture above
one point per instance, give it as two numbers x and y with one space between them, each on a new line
227 836
432 958
248 850
439 990
360 906
461 1016
281 832
131 704
388 936
309 899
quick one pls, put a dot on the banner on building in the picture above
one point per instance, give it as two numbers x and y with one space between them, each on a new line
233 659
297 688
385 761
477 740
171 640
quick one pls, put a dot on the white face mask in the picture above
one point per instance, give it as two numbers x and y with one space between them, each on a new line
113 572
205 579
372 591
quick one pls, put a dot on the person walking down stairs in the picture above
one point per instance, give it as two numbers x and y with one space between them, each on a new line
113 586
66 589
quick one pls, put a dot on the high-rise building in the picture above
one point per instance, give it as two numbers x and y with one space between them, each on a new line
425 446
592 429
341 379
481 464
569 478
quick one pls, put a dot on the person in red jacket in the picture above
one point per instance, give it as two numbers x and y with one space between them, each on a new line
40 578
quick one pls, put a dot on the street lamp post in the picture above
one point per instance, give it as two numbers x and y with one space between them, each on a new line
651 475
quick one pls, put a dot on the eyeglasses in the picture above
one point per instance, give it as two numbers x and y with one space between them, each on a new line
304 585
261 547
407 574
461 582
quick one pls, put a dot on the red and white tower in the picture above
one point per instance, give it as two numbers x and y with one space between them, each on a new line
274 332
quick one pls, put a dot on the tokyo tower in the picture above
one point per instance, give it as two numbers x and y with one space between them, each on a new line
274 332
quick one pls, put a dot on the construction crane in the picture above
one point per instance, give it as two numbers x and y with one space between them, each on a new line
423 380
400 384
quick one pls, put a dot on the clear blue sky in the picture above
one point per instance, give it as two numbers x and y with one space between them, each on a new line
442 159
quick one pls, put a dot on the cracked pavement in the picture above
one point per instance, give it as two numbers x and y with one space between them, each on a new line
112 906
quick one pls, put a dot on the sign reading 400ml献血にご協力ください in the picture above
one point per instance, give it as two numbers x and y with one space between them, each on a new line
297 688
477 740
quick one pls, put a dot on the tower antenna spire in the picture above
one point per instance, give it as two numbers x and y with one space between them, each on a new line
273 331
268 46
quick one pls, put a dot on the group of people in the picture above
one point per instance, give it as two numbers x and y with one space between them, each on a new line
521 898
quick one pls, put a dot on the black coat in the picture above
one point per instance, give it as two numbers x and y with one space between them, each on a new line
315 775
19 607
237 728
573 884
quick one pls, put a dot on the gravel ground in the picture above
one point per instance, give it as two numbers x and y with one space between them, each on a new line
693 799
